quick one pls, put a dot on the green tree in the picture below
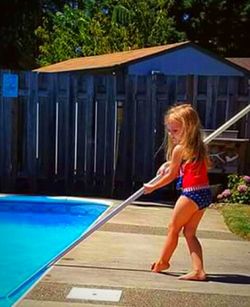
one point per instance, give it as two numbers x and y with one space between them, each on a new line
112 25
17 38
150 21
217 25
19 19
61 33
106 26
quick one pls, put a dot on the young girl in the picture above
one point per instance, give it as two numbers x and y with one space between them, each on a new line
186 158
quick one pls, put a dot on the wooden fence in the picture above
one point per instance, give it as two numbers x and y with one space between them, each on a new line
89 134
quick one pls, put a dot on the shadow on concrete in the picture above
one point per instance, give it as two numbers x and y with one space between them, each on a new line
222 278
229 278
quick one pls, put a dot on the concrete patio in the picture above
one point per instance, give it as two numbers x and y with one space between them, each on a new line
118 256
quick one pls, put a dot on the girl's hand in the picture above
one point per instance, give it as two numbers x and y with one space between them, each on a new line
163 169
170 170
148 188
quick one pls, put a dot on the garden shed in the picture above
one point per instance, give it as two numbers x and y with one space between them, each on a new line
94 125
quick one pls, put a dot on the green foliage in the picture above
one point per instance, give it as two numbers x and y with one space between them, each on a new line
238 190
164 30
218 25
19 19
62 34
151 23
237 218
121 15
104 27
115 25
17 39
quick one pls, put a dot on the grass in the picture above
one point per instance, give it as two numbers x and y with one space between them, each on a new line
237 219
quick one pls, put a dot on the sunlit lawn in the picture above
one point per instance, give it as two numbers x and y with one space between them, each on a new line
237 218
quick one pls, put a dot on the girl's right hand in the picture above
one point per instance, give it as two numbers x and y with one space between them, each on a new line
148 188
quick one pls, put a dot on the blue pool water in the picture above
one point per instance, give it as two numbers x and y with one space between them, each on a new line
33 232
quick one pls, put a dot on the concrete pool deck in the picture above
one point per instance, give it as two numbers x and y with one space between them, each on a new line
119 254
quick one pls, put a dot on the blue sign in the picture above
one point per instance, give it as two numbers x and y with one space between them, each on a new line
10 85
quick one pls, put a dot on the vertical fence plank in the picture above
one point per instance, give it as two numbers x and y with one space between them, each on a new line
62 166
123 175
140 135
69 124
46 132
100 122
19 121
128 161
7 146
86 134
150 131
104 133
1 130
144 131
209 102
31 131
160 98
111 132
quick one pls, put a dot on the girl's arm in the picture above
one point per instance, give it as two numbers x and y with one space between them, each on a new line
173 171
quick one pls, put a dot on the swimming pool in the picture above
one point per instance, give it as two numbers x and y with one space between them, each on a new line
36 230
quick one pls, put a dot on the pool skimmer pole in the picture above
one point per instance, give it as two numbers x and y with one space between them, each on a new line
138 193
120 207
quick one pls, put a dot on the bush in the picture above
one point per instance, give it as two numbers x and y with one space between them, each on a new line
238 190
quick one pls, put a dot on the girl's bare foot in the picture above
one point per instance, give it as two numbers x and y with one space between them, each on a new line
194 275
159 266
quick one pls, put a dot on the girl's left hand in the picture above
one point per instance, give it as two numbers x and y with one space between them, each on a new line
163 169
148 188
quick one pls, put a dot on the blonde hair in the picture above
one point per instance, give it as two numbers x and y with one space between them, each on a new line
191 139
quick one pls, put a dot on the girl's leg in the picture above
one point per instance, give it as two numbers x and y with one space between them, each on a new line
195 248
184 209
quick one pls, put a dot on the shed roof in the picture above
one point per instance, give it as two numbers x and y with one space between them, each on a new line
109 60
116 59
243 62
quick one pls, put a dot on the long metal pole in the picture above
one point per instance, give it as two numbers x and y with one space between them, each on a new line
126 202
227 124
138 193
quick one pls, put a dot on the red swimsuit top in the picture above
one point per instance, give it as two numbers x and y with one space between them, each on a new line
194 174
